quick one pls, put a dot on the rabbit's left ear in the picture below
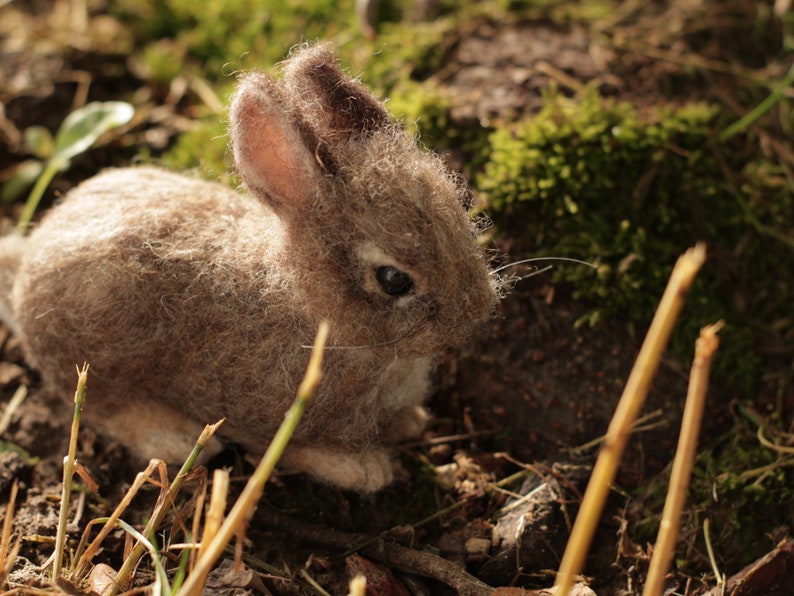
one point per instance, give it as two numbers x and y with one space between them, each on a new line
340 105
274 149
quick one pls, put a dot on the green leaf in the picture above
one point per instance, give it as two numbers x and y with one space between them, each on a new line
84 126
25 175
38 141
77 133
28 459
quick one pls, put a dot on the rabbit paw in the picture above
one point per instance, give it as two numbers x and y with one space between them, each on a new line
407 423
366 471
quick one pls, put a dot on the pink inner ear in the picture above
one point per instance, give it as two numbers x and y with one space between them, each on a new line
270 155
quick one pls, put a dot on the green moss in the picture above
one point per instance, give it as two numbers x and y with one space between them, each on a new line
425 110
405 52
754 491
746 491
593 179
205 148
219 36
588 179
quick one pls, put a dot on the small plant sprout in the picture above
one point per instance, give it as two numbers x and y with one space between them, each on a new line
78 132
69 464
778 93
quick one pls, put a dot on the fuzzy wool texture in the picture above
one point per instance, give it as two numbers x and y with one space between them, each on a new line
192 302
12 249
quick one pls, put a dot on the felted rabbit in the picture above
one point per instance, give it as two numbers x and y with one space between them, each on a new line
192 302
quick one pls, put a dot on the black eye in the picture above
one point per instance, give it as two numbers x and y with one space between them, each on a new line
393 281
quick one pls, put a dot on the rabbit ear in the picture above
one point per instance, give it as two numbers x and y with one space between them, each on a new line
341 106
273 148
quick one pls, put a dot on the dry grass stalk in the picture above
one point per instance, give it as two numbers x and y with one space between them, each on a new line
83 558
718 575
643 423
164 502
69 464
8 552
246 504
626 414
705 348
195 527
217 509
215 513
84 555
13 405
358 586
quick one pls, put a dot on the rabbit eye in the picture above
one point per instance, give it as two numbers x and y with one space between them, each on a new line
393 281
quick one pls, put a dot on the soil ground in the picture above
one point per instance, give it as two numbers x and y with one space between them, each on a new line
528 391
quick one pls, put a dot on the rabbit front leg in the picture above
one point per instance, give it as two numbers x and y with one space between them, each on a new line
408 383
407 423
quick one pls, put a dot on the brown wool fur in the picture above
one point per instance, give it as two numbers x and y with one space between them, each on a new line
192 302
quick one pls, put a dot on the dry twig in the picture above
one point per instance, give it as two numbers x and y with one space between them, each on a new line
8 552
705 348
625 415
392 554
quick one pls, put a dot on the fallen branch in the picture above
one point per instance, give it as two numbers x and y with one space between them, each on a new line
392 554
772 573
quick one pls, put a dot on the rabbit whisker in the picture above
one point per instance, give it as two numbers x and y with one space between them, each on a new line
533 260
533 274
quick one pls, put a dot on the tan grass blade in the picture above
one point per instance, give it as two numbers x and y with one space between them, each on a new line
165 501
13 405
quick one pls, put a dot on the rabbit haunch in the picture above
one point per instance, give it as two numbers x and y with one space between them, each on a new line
192 302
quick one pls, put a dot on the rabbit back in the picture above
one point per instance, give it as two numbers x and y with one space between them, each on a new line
161 283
